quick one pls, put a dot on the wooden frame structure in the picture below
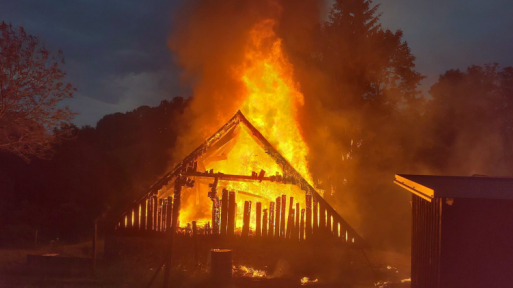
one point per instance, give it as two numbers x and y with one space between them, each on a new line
151 214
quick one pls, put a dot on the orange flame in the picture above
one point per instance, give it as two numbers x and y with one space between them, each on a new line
270 104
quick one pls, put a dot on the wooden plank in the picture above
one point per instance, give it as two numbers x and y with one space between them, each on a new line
195 242
271 220
159 215
169 212
264 224
291 223
315 207
296 227
215 215
290 220
231 213
150 214
245 219
322 218
283 215
155 213
224 212
277 217
137 217
335 228
308 219
129 219
144 205
164 214
258 232
302 226
328 222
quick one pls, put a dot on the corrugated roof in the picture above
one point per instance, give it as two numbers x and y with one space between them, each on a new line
431 186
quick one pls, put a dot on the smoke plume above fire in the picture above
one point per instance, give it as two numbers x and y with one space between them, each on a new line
234 59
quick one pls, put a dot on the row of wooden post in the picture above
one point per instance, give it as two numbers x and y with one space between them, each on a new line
273 222
152 214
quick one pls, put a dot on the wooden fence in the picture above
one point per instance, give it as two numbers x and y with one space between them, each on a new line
153 216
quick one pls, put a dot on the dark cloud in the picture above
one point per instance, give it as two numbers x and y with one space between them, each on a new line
108 45
452 34
120 39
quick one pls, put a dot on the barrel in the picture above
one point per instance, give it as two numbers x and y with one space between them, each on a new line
221 265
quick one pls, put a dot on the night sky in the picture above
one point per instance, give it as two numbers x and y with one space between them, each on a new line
116 52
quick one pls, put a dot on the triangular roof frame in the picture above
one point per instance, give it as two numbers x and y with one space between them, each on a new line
290 173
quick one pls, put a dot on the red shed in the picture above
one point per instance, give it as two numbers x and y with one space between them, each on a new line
462 230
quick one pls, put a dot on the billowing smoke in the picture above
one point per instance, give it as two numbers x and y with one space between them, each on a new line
362 112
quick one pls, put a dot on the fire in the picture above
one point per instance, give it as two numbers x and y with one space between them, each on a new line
306 280
272 100
270 104
249 272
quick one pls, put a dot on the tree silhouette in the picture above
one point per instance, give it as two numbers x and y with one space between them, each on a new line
31 87
471 119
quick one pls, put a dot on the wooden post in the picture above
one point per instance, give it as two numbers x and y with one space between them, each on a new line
278 215
246 217
335 227
137 210
329 228
290 220
296 227
155 213
159 223
144 205
302 226
264 223
215 216
258 231
93 256
149 218
271 220
315 226
195 242
308 232
169 212
283 215
322 218
129 219
171 232
231 214
224 211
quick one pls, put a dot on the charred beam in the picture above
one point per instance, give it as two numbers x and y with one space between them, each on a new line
224 212
231 213
277 217
246 217
271 220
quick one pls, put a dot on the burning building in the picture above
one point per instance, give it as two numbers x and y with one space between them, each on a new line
239 185
216 186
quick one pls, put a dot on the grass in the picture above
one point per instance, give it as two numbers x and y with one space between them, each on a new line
138 271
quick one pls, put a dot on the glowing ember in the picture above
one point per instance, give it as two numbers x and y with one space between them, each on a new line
249 272
306 280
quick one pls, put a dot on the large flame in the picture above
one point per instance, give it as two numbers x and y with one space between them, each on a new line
270 104
272 100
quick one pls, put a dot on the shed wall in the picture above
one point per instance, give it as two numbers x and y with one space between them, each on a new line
477 243
426 239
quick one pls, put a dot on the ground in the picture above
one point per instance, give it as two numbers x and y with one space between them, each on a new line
14 271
